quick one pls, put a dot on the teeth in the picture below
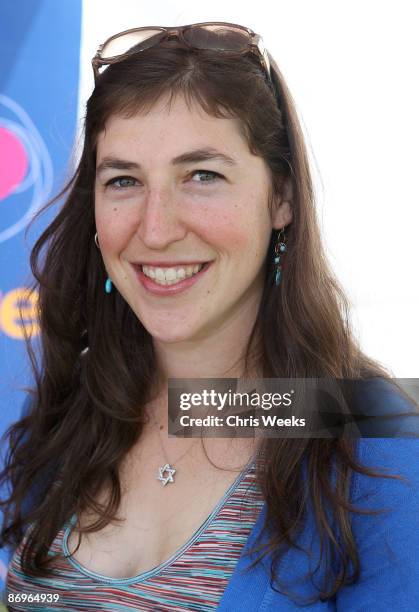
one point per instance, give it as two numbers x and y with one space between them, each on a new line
170 276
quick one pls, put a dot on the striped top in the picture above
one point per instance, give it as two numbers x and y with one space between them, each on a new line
194 578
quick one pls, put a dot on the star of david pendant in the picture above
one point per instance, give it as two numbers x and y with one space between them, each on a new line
170 473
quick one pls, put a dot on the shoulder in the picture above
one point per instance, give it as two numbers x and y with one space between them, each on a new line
382 410
383 394
386 531
397 452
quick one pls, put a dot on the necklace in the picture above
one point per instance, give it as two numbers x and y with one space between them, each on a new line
167 472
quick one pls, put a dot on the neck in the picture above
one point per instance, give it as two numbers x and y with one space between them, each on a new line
219 355
222 354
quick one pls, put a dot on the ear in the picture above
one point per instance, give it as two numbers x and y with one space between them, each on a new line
282 211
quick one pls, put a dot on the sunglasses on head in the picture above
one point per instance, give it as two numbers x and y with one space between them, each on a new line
217 36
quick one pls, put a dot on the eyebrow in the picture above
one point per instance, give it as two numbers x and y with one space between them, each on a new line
197 155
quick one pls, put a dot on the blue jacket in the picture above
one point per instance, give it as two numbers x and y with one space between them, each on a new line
388 544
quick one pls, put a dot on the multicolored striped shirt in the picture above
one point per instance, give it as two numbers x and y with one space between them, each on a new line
194 578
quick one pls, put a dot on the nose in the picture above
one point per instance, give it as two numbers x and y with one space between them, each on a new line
160 221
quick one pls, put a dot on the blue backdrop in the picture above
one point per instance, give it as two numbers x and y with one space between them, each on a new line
39 82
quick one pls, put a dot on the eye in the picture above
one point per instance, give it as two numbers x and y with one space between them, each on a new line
207 173
121 182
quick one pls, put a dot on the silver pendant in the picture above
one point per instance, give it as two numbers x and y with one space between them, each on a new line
166 474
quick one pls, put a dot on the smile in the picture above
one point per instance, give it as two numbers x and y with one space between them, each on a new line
169 279
172 275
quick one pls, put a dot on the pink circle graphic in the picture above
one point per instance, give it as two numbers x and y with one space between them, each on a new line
13 162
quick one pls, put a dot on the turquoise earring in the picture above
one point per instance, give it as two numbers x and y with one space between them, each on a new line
108 282
108 285
280 248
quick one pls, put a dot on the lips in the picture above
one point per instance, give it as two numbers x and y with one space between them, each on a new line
170 278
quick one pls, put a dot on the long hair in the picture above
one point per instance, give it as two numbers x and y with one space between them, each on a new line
86 408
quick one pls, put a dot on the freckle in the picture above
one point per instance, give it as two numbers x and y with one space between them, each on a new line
115 209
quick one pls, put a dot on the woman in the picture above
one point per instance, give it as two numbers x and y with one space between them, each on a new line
188 247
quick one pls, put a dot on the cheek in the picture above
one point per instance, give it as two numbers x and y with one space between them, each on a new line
221 232
246 232
114 227
227 226
249 242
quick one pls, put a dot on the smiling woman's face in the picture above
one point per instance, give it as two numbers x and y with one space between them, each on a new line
163 210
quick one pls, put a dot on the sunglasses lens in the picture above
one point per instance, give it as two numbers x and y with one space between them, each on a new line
220 37
131 42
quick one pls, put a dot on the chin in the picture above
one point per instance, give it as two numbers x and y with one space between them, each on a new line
171 339
169 333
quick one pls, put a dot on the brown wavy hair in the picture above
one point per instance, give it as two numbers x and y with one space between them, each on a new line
59 456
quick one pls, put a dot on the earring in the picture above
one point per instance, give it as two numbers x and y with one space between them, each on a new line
108 285
280 247
108 282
